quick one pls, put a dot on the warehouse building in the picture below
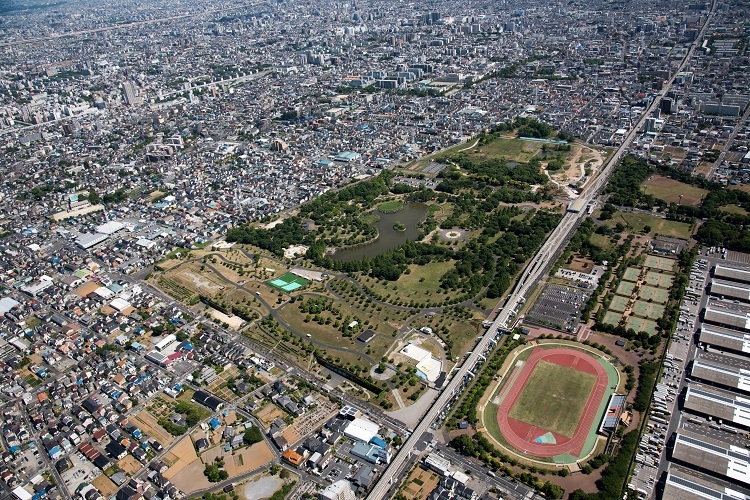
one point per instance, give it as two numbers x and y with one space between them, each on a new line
727 318
718 404
725 339
712 455
731 273
682 483
730 290
721 374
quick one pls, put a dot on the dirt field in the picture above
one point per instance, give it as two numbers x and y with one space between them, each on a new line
105 485
190 478
291 435
148 425
580 265
180 457
670 191
247 459
130 465
268 413
420 483
241 460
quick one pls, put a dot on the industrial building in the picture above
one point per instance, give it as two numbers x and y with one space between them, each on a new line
360 429
729 290
682 483
727 317
737 274
718 404
721 374
725 339
711 455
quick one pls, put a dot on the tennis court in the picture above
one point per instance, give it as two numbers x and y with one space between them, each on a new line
631 274
658 295
612 318
626 288
648 309
658 279
655 262
641 325
288 282
619 303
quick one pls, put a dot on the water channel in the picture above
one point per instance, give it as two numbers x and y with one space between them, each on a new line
388 238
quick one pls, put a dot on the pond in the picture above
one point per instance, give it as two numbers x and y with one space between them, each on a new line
388 238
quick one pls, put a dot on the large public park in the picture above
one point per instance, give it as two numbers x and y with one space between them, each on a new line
382 286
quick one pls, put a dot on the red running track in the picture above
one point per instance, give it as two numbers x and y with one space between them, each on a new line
521 435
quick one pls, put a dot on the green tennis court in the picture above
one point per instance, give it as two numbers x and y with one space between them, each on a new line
658 279
612 318
288 282
658 295
648 309
641 325
631 274
626 288
619 303
655 262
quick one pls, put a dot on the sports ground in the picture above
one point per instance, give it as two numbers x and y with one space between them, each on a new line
288 282
551 404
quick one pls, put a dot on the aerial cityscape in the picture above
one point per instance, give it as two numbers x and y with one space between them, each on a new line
375 250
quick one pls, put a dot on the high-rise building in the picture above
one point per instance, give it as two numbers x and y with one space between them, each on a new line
131 98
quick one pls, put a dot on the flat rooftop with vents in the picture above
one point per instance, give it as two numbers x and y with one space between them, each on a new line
682 483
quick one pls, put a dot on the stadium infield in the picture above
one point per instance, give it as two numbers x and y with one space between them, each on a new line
520 413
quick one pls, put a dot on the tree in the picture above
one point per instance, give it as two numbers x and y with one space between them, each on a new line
94 198
252 436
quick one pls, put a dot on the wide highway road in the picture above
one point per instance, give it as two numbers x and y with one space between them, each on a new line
530 276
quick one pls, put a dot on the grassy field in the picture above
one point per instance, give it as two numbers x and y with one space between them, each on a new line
658 295
332 335
636 222
554 398
390 207
673 191
733 209
461 333
510 149
658 279
421 285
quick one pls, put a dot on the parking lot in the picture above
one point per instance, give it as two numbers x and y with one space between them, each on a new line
559 306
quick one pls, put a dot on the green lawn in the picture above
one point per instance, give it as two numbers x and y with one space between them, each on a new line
554 398
636 222
390 207
733 209
510 149
673 191
421 285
